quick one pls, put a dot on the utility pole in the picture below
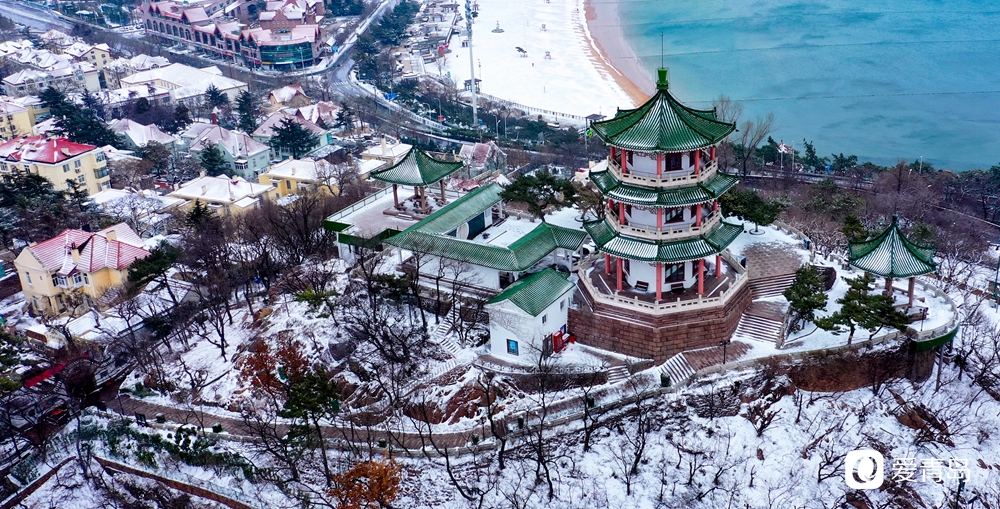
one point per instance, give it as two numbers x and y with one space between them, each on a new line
472 63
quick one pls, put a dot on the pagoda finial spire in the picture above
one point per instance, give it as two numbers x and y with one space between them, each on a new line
662 83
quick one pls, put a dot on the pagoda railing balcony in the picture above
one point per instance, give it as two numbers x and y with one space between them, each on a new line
670 231
734 281
666 181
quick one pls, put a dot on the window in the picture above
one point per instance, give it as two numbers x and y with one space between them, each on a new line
65 168
76 164
512 347
545 318
77 279
86 279
100 156
82 179
288 184
562 305
55 280
28 275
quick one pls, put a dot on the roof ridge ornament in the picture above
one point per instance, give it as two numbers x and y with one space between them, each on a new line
662 81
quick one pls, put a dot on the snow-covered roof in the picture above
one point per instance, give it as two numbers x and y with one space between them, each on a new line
41 150
114 247
390 150
286 93
221 189
10 108
107 197
139 134
322 110
185 81
301 169
234 142
266 128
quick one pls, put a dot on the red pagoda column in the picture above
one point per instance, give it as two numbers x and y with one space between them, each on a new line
607 264
395 195
659 281
624 154
619 267
697 218
718 265
713 154
621 213
659 220
701 276
697 161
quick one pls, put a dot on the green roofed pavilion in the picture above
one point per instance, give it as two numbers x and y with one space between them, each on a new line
536 292
891 255
419 170
662 125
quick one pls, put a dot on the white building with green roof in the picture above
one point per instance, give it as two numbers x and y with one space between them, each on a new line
528 315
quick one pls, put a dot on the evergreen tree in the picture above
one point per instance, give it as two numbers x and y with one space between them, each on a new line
248 108
540 191
198 215
157 155
215 98
853 229
56 102
154 268
181 119
345 118
292 137
749 205
213 161
806 296
861 308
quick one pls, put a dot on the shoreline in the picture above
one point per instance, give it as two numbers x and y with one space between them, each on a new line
607 43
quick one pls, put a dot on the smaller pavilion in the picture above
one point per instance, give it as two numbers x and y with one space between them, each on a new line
891 255
419 170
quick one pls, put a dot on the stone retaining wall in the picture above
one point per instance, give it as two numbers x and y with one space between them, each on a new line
656 337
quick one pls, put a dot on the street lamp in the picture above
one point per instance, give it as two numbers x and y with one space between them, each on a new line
498 128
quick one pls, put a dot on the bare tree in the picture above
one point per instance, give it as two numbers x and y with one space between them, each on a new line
751 133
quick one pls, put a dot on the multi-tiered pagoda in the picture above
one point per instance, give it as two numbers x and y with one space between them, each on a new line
664 282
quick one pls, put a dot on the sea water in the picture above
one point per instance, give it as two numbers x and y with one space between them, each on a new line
884 80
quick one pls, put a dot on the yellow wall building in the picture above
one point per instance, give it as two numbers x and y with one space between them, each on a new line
15 120
297 176
225 195
71 271
58 160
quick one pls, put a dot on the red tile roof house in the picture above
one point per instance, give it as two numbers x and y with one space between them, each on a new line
58 160
70 272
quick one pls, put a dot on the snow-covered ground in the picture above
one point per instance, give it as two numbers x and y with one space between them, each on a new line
571 81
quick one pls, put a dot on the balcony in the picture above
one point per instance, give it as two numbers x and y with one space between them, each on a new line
681 178
600 288
670 231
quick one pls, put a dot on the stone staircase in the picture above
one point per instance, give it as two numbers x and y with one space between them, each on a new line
677 368
770 286
617 374
760 322
443 337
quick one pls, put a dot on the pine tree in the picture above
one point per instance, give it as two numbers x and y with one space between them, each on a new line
861 308
292 137
540 191
248 108
213 161
806 296
215 98
853 229
345 118
182 118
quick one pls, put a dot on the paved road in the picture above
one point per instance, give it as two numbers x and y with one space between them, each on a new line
33 16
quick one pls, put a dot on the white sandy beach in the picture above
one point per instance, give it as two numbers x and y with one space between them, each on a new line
575 80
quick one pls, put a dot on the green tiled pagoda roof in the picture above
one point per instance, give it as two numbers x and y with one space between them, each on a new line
891 254
663 124
536 292
611 242
417 169
431 236
707 191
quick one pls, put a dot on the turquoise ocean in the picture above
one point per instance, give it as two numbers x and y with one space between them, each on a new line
884 80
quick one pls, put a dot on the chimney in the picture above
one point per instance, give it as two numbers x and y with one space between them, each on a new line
202 174
112 236
383 144
293 170
75 251
215 119
204 189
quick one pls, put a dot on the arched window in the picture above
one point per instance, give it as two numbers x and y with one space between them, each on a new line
162 30
176 34
187 34
149 25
